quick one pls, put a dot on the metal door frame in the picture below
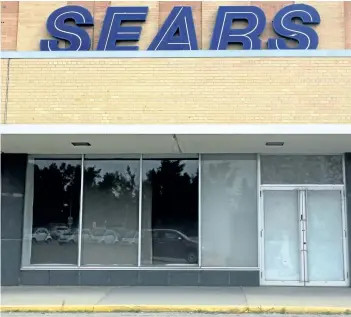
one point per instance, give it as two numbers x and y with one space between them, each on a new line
302 190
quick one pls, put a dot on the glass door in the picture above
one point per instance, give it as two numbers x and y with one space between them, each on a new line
325 238
303 236
281 255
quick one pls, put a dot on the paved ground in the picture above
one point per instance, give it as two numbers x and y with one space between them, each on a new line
214 296
146 315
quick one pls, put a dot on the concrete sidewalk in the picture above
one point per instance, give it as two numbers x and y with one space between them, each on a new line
191 299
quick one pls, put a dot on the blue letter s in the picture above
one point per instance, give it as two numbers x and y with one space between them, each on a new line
56 25
284 26
223 34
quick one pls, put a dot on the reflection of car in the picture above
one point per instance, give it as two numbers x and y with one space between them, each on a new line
169 243
131 238
86 235
103 235
41 235
56 231
68 237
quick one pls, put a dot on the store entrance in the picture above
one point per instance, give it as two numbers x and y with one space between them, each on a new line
303 236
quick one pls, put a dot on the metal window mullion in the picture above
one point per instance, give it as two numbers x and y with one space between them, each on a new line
260 222
303 206
140 208
199 214
81 212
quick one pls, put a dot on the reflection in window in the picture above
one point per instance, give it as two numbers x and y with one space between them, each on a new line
229 211
170 212
51 221
110 212
301 169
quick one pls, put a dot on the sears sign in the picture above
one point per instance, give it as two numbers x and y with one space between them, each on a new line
178 32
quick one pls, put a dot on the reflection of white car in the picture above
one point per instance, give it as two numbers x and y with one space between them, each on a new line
100 235
41 235
68 237
131 238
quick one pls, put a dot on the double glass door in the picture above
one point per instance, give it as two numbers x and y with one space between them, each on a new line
303 236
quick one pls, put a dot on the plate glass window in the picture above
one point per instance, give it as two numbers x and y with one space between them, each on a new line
229 211
52 212
170 212
110 212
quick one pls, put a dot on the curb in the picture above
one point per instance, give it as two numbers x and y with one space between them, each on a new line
178 308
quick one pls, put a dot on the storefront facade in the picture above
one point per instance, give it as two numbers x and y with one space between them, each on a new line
199 165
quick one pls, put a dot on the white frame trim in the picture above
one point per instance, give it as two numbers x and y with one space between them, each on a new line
81 207
260 233
140 215
199 204
180 129
28 214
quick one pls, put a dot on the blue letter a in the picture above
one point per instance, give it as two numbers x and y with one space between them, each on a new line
177 33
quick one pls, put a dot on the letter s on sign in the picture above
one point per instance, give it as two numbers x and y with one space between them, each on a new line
283 25
56 25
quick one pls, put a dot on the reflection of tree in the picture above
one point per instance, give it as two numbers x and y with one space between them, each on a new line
56 193
111 198
174 196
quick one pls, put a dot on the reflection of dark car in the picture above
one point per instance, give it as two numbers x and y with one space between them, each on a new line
169 243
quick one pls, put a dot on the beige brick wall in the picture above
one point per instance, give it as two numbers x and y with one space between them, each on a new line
9 22
32 18
4 69
347 8
206 90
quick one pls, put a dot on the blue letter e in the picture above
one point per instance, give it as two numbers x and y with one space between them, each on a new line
223 34
113 31
177 33
284 25
77 37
